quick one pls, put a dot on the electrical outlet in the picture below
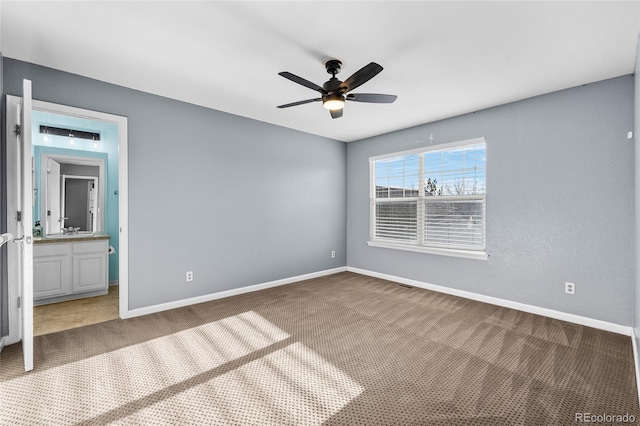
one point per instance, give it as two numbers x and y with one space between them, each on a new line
333 254
570 288
189 276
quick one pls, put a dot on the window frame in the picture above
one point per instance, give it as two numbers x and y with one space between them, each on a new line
421 200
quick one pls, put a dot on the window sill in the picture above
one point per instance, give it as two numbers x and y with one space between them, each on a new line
466 254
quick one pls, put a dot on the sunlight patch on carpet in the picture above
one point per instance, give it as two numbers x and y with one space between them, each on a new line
292 386
99 384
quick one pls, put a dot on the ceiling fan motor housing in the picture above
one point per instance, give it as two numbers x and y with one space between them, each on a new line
333 66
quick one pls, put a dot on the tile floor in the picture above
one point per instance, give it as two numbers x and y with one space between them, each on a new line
75 313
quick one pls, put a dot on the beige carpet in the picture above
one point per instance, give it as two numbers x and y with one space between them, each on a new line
339 350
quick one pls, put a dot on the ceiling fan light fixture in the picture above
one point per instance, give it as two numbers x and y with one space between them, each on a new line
333 102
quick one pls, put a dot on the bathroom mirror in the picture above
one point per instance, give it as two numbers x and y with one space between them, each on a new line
71 194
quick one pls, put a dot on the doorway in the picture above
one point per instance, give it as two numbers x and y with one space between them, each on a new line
61 115
75 188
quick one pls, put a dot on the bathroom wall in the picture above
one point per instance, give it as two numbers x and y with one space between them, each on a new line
237 201
560 202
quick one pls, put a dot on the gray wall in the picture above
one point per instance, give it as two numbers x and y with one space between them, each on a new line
4 296
560 203
213 193
236 201
636 138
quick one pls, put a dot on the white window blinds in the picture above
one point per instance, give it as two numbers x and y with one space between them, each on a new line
434 197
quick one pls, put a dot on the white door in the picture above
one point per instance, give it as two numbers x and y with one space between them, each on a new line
53 220
25 226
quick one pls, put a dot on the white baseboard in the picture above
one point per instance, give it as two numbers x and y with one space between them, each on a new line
636 360
1 344
222 294
576 319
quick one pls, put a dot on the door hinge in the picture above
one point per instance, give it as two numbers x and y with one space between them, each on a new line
19 216
19 302
16 131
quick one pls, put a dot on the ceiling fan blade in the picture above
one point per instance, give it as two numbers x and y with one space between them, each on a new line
375 98
336 113
360 77
299 103
302 81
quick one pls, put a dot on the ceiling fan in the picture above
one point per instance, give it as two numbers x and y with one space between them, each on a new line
334 91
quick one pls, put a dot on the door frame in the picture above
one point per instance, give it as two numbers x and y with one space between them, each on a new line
15 329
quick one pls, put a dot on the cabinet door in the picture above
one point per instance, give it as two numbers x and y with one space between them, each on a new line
89 272
50 276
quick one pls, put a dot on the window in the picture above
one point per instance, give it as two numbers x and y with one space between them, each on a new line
431 200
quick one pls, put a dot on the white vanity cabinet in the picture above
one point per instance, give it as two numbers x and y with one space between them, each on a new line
50 270
70 269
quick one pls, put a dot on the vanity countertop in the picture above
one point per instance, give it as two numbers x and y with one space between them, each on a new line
70 238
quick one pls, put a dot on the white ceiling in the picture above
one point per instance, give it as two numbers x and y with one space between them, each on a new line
442 59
